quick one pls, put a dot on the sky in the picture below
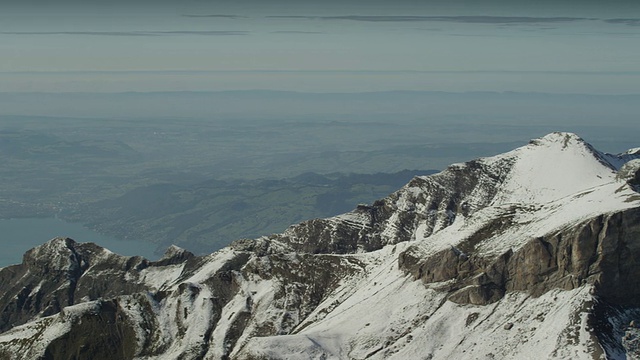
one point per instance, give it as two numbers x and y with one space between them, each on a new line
330 46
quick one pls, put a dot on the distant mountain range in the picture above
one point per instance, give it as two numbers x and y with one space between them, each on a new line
528 254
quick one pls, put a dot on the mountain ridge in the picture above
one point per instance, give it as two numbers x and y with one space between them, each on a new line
534 247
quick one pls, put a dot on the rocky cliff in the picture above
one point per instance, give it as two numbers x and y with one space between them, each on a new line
528 254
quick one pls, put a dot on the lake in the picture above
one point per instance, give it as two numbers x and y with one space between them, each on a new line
19 235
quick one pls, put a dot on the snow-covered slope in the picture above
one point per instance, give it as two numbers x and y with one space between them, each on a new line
553 167
528 254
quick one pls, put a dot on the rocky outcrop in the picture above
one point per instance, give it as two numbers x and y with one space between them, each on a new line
103 333
601 252
630 172
48 278
433 201
78 274
63 273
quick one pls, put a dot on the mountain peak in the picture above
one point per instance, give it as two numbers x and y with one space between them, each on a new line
56 253
173 255
559 137
555 166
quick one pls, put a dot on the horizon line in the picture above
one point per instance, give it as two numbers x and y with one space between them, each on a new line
367 71
503 92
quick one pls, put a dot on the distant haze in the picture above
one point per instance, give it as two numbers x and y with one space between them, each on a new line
345 46
202 121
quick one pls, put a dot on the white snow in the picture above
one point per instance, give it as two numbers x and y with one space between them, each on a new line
555 182
160 277
632 151
30 340
385 315
213 263
552 168
377 311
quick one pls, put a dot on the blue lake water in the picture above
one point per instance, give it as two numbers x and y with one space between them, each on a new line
19 235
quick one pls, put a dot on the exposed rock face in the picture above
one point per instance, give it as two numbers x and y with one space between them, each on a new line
85 273
63 273
103 333
541 256
601 252
55 275
630 172
432 201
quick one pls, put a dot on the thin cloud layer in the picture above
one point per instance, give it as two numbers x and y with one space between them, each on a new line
127 33
296 32
630 22
219 16
459 19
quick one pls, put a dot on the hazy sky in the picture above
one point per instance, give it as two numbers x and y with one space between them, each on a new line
547 46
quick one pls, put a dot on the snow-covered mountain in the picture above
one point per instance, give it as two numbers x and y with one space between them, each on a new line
530 254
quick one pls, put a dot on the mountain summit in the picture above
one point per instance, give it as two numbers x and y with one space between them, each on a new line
528 254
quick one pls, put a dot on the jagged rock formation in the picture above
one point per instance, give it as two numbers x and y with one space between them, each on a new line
532 253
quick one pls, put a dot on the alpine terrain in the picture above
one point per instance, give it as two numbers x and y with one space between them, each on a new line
534 253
